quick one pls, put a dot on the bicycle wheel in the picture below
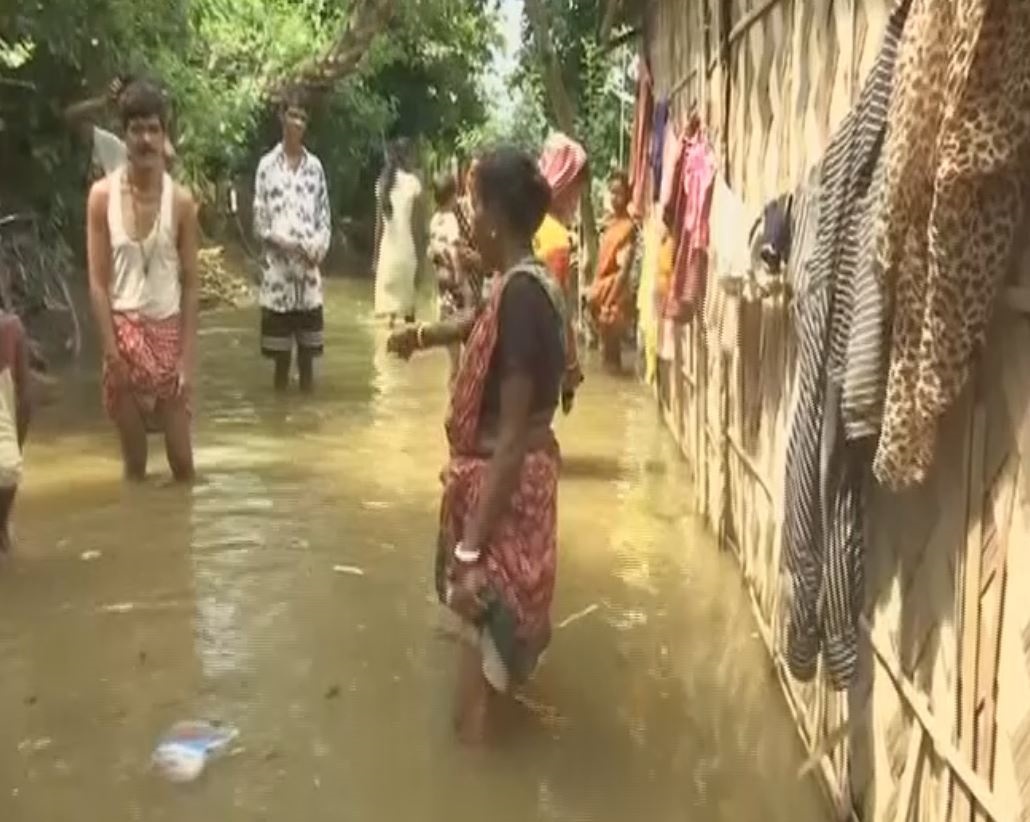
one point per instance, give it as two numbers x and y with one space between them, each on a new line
66 309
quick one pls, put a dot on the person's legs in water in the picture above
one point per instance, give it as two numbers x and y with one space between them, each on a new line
132 435
178 440
611 344
277 335
6 504
306 369
309 332
474 697
281 379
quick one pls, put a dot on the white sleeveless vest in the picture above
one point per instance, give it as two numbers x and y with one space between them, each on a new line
146 276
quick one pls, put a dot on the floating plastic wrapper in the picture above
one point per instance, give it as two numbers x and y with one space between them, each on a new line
183 752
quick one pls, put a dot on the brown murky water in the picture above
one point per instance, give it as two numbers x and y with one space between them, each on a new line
127 609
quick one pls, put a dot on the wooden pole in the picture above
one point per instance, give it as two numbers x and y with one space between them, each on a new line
969 640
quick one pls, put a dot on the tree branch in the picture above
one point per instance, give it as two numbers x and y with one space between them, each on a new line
612 9
367 21
621 39
561 103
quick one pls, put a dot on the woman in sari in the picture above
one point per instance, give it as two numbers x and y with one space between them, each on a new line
497 544
563 163
609 297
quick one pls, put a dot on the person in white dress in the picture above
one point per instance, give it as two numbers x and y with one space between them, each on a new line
400 230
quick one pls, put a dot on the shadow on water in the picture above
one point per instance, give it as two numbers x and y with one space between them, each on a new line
591 467
128 608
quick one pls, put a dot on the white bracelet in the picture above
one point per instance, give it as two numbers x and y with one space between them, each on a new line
464 555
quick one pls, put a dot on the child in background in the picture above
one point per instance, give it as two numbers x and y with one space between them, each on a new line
444 236
14 416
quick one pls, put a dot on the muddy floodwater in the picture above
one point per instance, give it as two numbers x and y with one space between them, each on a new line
289 593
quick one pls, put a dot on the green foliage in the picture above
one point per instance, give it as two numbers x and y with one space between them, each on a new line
593 74
525 126
215 57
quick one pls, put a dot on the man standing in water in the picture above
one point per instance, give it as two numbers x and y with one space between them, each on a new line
142 237
291 220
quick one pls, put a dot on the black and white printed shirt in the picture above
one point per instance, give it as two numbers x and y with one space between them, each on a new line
291 205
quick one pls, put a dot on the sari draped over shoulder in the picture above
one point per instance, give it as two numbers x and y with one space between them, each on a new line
520 556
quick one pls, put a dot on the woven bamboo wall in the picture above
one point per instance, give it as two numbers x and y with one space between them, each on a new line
942 709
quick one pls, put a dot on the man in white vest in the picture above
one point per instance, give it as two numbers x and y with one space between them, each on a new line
142 237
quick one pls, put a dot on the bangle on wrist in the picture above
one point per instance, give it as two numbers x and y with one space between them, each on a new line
420 335
466 555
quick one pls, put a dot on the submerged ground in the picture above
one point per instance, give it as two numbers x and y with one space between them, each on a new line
129 608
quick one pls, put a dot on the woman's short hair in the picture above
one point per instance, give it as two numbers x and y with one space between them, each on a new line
142 99
510 183
445 187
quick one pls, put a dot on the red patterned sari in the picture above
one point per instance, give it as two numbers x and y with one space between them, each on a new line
520 558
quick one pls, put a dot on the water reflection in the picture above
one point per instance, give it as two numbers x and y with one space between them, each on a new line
655 701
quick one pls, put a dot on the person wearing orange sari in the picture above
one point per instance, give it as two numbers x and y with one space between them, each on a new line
609 296
563 163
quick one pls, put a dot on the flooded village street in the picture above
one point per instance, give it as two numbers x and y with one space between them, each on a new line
289 593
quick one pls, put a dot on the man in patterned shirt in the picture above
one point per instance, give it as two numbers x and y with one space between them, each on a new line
291 220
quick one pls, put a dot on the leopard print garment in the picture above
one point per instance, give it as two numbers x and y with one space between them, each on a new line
953 203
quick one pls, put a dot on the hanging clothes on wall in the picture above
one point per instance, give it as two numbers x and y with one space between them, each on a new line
658 132
824 551
729 251
729 266
690 272
652 273
861 343
642 122
670 207
956 158
672 162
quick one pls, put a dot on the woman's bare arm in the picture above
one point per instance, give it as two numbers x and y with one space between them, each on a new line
448 332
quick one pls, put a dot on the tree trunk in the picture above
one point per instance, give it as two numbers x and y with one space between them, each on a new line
565 116
367 20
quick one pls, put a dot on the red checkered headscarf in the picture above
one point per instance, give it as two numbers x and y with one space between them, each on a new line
561 161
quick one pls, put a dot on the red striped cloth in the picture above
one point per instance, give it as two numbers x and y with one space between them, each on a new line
151 350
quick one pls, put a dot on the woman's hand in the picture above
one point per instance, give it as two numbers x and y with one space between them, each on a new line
466 594
403 342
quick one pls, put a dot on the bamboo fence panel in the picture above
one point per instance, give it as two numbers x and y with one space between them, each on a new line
938 725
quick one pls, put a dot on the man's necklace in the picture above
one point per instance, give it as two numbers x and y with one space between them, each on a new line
140 237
